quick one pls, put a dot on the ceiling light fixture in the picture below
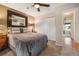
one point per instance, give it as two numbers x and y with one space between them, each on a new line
36 6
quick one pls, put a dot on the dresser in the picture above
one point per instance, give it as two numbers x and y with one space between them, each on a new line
3 41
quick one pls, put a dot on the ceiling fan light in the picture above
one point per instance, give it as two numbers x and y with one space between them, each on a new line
36 5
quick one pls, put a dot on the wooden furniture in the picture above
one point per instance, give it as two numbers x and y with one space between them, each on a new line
3 41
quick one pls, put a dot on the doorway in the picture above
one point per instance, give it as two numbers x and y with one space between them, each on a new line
68 31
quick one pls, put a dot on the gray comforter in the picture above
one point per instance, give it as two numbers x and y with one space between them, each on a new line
30 44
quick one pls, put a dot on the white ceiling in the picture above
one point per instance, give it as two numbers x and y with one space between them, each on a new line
32 11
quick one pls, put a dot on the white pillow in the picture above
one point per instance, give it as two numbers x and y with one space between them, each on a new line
25 30
15 32
15 29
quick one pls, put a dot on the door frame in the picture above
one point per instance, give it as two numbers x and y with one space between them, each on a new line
73 22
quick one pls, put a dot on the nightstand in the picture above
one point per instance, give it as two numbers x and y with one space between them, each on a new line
3 41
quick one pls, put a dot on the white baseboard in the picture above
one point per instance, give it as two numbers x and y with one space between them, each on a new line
51 40
59 44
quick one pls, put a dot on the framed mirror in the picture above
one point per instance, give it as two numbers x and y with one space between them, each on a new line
16 20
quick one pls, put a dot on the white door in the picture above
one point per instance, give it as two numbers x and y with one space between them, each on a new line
52 28
47 26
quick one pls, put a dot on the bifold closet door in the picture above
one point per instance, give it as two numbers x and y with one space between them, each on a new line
52 28
47 26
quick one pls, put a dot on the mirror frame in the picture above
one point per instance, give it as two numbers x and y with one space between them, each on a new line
9 20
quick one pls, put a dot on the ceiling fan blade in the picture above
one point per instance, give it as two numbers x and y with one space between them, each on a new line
38 9
46 5
32 5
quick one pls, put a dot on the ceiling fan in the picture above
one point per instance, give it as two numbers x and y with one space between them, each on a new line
37 5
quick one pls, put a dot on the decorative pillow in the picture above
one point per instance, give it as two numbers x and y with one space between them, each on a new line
15 30
25 30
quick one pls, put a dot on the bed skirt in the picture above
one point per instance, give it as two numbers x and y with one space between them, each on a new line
12 48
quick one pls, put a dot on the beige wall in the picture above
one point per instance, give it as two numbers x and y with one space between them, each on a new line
3 19
3 15
31 19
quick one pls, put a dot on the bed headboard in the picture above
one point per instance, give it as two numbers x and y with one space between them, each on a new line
17 30
16 22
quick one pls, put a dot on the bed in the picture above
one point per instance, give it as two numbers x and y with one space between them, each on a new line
27 44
